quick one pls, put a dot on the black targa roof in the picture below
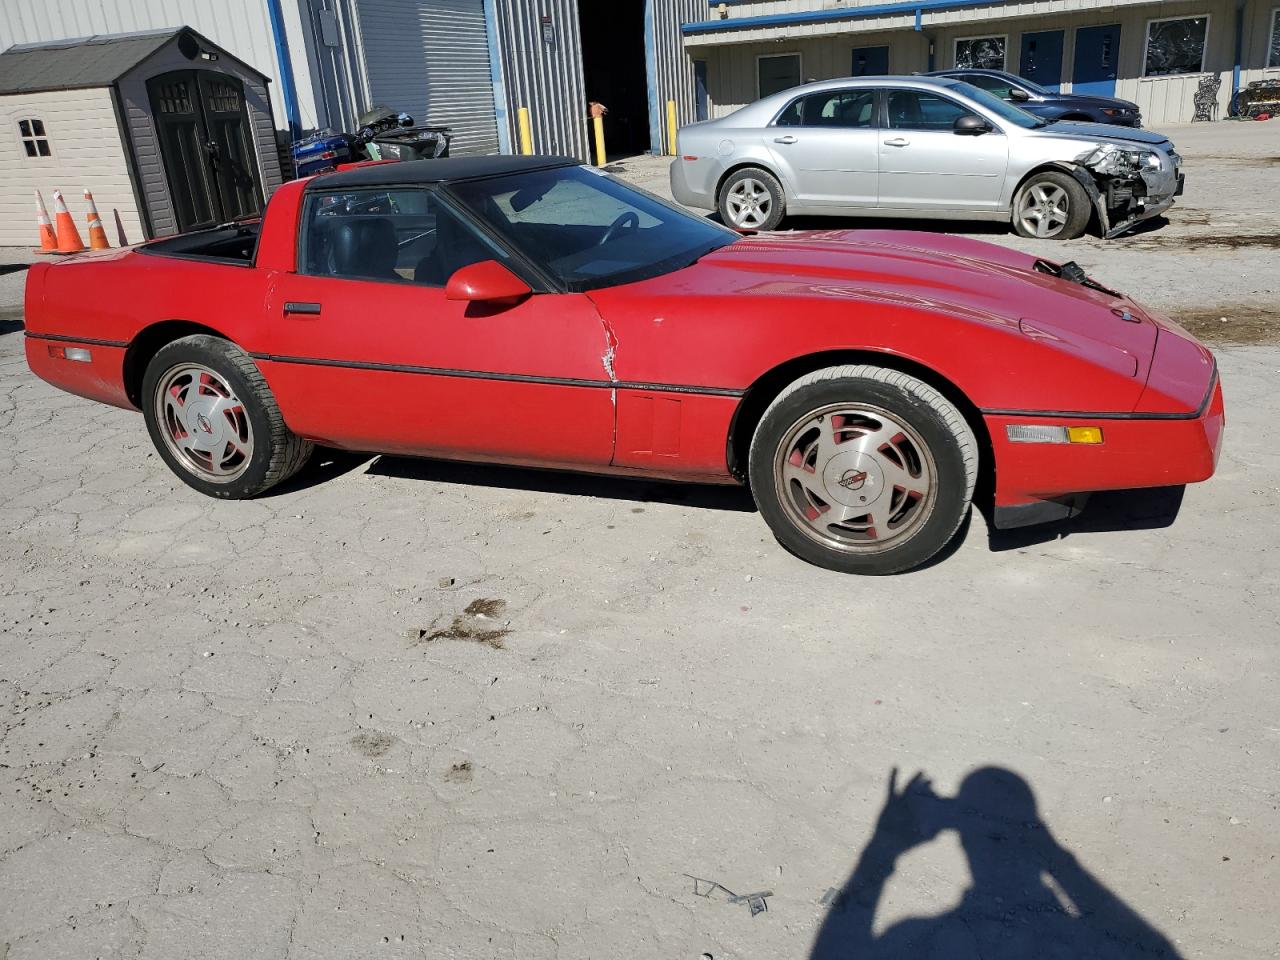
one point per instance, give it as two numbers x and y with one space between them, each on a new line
444 170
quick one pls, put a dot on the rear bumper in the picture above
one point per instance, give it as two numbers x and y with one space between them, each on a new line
1138 450
99 377
689 183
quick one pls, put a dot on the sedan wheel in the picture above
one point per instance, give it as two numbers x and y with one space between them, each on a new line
1051 206
752 199
863 469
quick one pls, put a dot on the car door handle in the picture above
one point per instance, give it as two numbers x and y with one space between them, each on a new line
294 308
897 142
787 139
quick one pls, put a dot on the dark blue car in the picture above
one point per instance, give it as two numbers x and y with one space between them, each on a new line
1045 103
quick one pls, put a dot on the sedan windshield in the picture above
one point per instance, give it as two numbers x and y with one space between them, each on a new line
1005 111
589 230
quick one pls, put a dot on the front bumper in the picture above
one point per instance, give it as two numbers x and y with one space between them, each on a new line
1037 482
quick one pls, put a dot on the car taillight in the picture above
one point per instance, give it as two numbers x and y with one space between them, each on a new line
71 353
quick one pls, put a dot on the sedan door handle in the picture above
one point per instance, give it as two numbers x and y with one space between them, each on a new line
787 139
897 142
294 308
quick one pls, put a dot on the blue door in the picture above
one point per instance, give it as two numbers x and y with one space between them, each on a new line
1041 60
870 62
700 99
1097 51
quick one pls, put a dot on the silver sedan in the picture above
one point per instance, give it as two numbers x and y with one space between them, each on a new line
921 147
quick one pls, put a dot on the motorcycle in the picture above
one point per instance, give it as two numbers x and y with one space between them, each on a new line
382 135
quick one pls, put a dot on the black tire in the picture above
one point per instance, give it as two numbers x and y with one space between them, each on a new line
891 402
1079 208
770 205
253 421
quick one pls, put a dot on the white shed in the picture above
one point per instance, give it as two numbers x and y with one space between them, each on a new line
169 131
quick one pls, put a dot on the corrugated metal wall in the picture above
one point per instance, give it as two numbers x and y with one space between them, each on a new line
240 26
670 66
544 73
430 58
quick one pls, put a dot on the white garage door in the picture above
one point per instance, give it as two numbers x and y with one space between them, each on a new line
430 58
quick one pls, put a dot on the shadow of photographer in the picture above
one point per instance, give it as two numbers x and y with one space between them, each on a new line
1030 899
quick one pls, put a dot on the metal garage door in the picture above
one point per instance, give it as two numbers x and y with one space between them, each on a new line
430 58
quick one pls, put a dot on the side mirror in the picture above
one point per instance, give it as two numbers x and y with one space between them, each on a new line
486 282
971 126
1018 95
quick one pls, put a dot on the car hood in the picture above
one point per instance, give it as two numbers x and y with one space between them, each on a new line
1084 100
1100 132
968 279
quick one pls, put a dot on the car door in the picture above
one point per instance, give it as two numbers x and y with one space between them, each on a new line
926 165
367 352
824 145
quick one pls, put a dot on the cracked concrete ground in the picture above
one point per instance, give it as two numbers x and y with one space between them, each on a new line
256 730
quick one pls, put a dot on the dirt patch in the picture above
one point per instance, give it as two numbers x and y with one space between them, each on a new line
476 623
1232 323
459 772
372 744
1224 241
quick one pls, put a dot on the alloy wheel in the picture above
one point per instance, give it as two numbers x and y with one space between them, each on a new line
749 203
1043 209
855 478
203 423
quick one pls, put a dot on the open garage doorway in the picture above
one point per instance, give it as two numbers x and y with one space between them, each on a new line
613 67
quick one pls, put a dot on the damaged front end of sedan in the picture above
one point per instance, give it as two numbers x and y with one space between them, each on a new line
1128 185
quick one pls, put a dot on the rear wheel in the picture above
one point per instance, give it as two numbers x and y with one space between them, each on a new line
752 199
862 469
214 421
1051 206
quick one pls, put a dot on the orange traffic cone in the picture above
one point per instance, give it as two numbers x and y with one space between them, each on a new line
97 236
48 239
68 236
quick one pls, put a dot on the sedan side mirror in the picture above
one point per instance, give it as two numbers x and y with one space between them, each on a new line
971 126
486 282
1018 95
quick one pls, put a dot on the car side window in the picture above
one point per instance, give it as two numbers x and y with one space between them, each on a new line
399 235
832 108
995 85
917 110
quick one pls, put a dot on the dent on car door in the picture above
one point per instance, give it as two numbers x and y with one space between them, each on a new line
925 164
825 145
367 352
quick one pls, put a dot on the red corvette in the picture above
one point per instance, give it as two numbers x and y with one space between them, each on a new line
529 310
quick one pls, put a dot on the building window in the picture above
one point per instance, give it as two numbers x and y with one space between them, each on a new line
1273 54
1175 46
980 53
777 73
33 137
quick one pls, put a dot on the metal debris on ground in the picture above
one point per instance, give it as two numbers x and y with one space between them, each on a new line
756 902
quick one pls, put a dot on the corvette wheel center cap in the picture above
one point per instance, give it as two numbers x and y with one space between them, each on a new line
202 424
853 479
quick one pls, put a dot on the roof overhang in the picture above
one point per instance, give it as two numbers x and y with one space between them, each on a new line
868 18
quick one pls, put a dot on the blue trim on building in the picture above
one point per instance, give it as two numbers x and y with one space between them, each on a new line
824 16
497 77
287 91
651 78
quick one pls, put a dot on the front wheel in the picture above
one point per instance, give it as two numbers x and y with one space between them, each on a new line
1051 206
862 469
752 199
214 421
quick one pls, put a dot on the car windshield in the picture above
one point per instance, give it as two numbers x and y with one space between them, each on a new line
1005 111
589 230
1030 85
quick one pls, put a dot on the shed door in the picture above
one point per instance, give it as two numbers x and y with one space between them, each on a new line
430 59
206 146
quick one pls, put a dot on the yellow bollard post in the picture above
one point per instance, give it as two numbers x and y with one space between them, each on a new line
671 128
526 134
598 123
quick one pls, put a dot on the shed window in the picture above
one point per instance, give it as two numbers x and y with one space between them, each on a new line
980 53
1175 46
34 140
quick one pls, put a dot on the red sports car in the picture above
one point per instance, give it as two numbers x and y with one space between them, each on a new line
529 310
